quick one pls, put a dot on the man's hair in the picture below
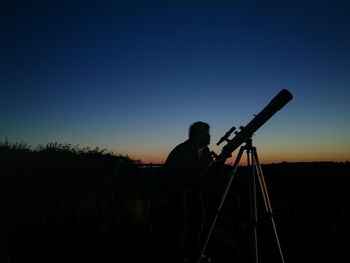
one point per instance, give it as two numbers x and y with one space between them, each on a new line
197 127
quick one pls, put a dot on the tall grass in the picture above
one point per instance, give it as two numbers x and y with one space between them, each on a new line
53 147
82 204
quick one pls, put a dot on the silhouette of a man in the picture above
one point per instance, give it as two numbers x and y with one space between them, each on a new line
187 163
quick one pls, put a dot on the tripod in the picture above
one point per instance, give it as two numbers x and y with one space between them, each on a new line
255 171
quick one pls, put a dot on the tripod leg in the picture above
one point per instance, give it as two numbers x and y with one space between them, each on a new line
227 188
266 198
253 205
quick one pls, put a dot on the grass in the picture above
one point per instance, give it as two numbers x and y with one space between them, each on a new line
64 203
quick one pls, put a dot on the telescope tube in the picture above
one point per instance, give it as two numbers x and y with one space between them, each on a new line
277 103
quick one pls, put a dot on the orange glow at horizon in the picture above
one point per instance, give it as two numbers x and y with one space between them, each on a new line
277 150
265 158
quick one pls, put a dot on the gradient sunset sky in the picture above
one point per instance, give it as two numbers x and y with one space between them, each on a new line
131 76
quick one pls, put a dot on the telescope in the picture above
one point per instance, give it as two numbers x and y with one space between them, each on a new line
245 136
246 132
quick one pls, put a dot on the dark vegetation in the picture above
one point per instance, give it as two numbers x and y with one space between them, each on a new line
63 203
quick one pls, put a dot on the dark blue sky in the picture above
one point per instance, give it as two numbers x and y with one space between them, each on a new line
132 76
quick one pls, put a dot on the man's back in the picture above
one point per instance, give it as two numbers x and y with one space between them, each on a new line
187 163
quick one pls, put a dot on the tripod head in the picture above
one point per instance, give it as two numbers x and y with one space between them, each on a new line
246 132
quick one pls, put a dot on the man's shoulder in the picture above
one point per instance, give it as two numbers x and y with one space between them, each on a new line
182 152
184 146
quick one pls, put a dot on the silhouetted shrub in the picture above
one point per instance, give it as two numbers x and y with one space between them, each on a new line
64 203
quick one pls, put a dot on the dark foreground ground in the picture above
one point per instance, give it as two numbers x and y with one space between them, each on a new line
95 208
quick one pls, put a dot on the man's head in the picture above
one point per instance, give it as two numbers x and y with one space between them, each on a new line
199 134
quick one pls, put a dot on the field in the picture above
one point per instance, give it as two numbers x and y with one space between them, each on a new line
60 203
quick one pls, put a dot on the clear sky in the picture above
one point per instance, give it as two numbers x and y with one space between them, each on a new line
131 76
